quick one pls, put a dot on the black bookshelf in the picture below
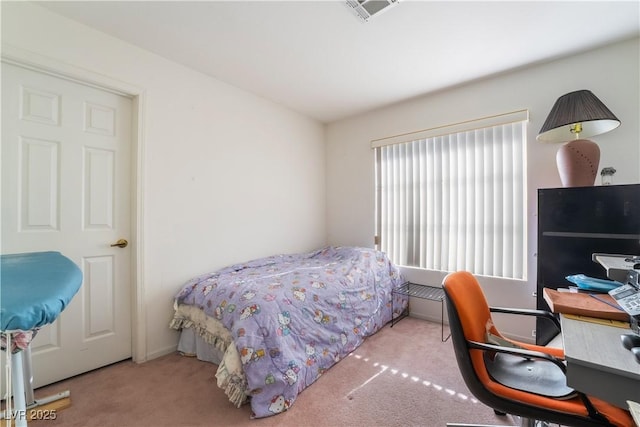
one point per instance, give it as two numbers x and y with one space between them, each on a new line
574 223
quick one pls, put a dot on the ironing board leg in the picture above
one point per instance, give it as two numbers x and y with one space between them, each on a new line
20 407
28 376
31 402
19 369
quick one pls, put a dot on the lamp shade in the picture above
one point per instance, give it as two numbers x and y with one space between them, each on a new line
577 108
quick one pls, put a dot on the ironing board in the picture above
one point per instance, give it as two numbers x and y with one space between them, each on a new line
34 289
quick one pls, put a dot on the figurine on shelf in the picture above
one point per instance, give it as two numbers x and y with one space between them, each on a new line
607 175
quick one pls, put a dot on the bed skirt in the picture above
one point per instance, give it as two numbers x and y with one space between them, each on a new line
206 338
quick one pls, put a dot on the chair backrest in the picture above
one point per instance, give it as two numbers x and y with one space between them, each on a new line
469 314
467 305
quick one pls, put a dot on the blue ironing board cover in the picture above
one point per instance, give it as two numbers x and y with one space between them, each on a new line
34 289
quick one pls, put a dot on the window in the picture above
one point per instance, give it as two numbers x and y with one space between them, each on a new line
453 198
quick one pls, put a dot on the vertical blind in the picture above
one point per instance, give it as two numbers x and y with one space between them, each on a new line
455 201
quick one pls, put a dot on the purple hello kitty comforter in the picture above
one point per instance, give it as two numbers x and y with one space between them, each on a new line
286 319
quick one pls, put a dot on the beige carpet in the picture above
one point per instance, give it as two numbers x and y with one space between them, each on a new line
402 376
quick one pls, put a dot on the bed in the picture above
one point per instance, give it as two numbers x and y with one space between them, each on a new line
274 325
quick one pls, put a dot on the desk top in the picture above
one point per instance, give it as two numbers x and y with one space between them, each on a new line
35 288
597 363
599 346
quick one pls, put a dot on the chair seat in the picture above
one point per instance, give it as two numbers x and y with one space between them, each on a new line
531 375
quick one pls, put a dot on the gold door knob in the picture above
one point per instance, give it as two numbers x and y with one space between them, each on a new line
122 243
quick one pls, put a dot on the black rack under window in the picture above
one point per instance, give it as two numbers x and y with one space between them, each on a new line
432 293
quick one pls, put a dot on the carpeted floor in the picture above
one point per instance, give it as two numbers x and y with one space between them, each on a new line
401 376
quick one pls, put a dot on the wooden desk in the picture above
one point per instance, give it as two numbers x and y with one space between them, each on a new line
598 364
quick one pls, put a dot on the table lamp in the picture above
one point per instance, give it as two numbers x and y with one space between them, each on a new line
574 116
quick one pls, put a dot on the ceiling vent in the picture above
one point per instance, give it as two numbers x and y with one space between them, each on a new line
365 9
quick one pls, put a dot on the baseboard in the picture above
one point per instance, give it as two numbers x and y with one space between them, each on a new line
435 319
161 352
520 338
426 317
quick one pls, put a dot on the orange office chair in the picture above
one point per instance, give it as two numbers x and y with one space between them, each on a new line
521 379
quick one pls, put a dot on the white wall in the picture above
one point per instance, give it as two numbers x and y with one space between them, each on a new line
228 176
611 73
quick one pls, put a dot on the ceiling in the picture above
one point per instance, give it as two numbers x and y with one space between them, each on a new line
318 58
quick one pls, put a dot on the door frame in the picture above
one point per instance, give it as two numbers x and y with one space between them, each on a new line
36 62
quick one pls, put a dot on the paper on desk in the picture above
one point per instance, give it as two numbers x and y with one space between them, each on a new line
607 322
634 408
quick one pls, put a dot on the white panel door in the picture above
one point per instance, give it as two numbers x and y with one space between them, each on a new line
66 187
